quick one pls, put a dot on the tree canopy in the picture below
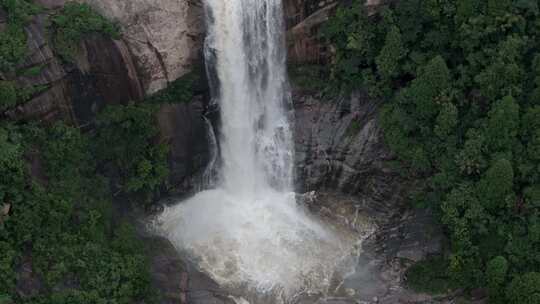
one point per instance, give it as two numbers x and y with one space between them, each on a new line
460 81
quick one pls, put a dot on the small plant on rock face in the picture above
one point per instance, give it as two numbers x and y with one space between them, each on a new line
73 23
179 91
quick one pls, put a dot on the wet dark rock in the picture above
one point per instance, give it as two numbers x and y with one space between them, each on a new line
182 127
341 154
339 146
103 74
179 282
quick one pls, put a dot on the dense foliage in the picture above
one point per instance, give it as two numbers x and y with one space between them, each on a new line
62 239
73 23
59 223
125 142
462 88
13 38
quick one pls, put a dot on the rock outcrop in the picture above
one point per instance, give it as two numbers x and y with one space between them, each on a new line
165 37
339 146
103 73
304 19
177 281
340 154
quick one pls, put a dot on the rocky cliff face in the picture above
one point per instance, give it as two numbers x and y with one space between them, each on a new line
159 43
164 38
339 146
102 73
341 155
304 19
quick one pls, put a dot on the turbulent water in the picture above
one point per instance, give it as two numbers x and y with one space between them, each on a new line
248 232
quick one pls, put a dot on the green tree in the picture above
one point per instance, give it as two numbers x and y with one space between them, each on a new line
391 54
503 124
525 289
495 189
496 271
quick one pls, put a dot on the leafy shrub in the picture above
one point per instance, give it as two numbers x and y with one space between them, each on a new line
8 95
75 257
311 77
12 95
12 46
74 22
496 271
124 139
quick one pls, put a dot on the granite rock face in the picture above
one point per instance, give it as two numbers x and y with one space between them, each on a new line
339 146
103 73
341 156
304 19
179 282
165 37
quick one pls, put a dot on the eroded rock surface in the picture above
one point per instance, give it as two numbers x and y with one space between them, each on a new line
341 155
165 37
179 282
108 72
339 146
103 73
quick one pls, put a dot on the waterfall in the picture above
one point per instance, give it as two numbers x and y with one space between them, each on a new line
246 37
249 232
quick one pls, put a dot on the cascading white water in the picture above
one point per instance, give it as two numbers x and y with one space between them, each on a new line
249 231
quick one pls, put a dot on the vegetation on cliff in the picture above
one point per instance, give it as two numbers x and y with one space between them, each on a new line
462 91
73 23
58 223
70 25
62 239
13 37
